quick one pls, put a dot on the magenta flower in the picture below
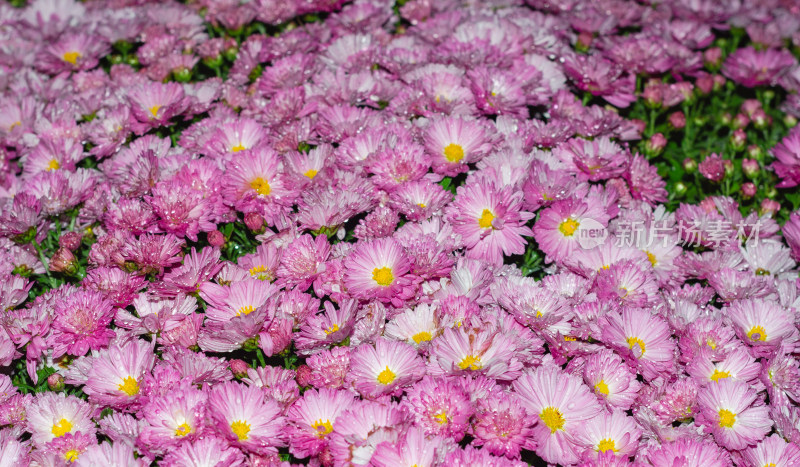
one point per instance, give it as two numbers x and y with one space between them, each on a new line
81 323
239 414
750 67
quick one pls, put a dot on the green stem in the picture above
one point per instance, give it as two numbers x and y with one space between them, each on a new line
42 257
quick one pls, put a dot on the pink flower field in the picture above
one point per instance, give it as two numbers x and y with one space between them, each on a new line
400 233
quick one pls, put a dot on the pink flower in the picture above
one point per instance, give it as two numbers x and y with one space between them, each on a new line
440 407
379 269
240 414
115 375
490 221
562 403
643 338
502 425
312 418
712 168
750 67
787 165
81 323
384 367
557 229
455 142
730 411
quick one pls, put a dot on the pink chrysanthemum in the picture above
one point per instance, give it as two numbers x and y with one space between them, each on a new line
460 351
611 379
750 67
490 220
205 452
115 375
761 324
502 425
312 418
732 412
642 337
81 323
240 414
453 143
384 367
176 417
773 450
559 227
562 403
440 407
379 269
154 104
609 432
54 415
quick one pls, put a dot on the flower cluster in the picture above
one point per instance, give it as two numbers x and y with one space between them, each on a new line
336 233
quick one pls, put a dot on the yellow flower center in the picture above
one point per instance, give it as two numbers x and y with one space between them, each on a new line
453 152
129 386
636 341
485 221
246 310
383 276
71 455
710 342
154 111
238 147
421 337
606 445
261 272
566 338
471 362
762 272
552 417
726 418
331 330
652 258
718 375
441 418
240 429
71 57
53 165
757 333
183 430
601 387
421 205
310 173
323 428
61 428
386 376
261 186
568 227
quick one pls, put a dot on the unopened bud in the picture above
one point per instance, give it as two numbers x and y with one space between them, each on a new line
64 261
689 165
304 376
738 139
769 206
656 144
70 240
749 190
761 119
713 57
677 120
750 167
254 222
55 382
239 368
740 121
216 238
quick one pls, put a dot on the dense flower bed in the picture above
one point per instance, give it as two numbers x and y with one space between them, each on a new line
423 232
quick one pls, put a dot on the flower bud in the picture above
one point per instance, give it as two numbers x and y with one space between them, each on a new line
689 165
653 95
584 41
725 118
713 57
761 119
789 120
750 167
64 261
55 382
754 151
738 139
677 120
656 144
749 106
769 206
749 190
239 368
304 376
216 238
254 222
680 188
712 168
728 167
740 121
705 84
70 240
719 82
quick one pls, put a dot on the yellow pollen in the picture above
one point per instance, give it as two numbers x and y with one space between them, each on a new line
471 362
71 455
61 428
240 429
485 221
261 186
129 386
261 272
323 428
246 310
310 173
568 227
710 342
53 165
17 123
331 330
383 276
154 110
238 147
570 338
422 205
726 418
386 376
183 430
762 272
453 152
441 418
71 57
552 417
606 445
652 258
757 333
601 387
636 341
718 375
422 336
